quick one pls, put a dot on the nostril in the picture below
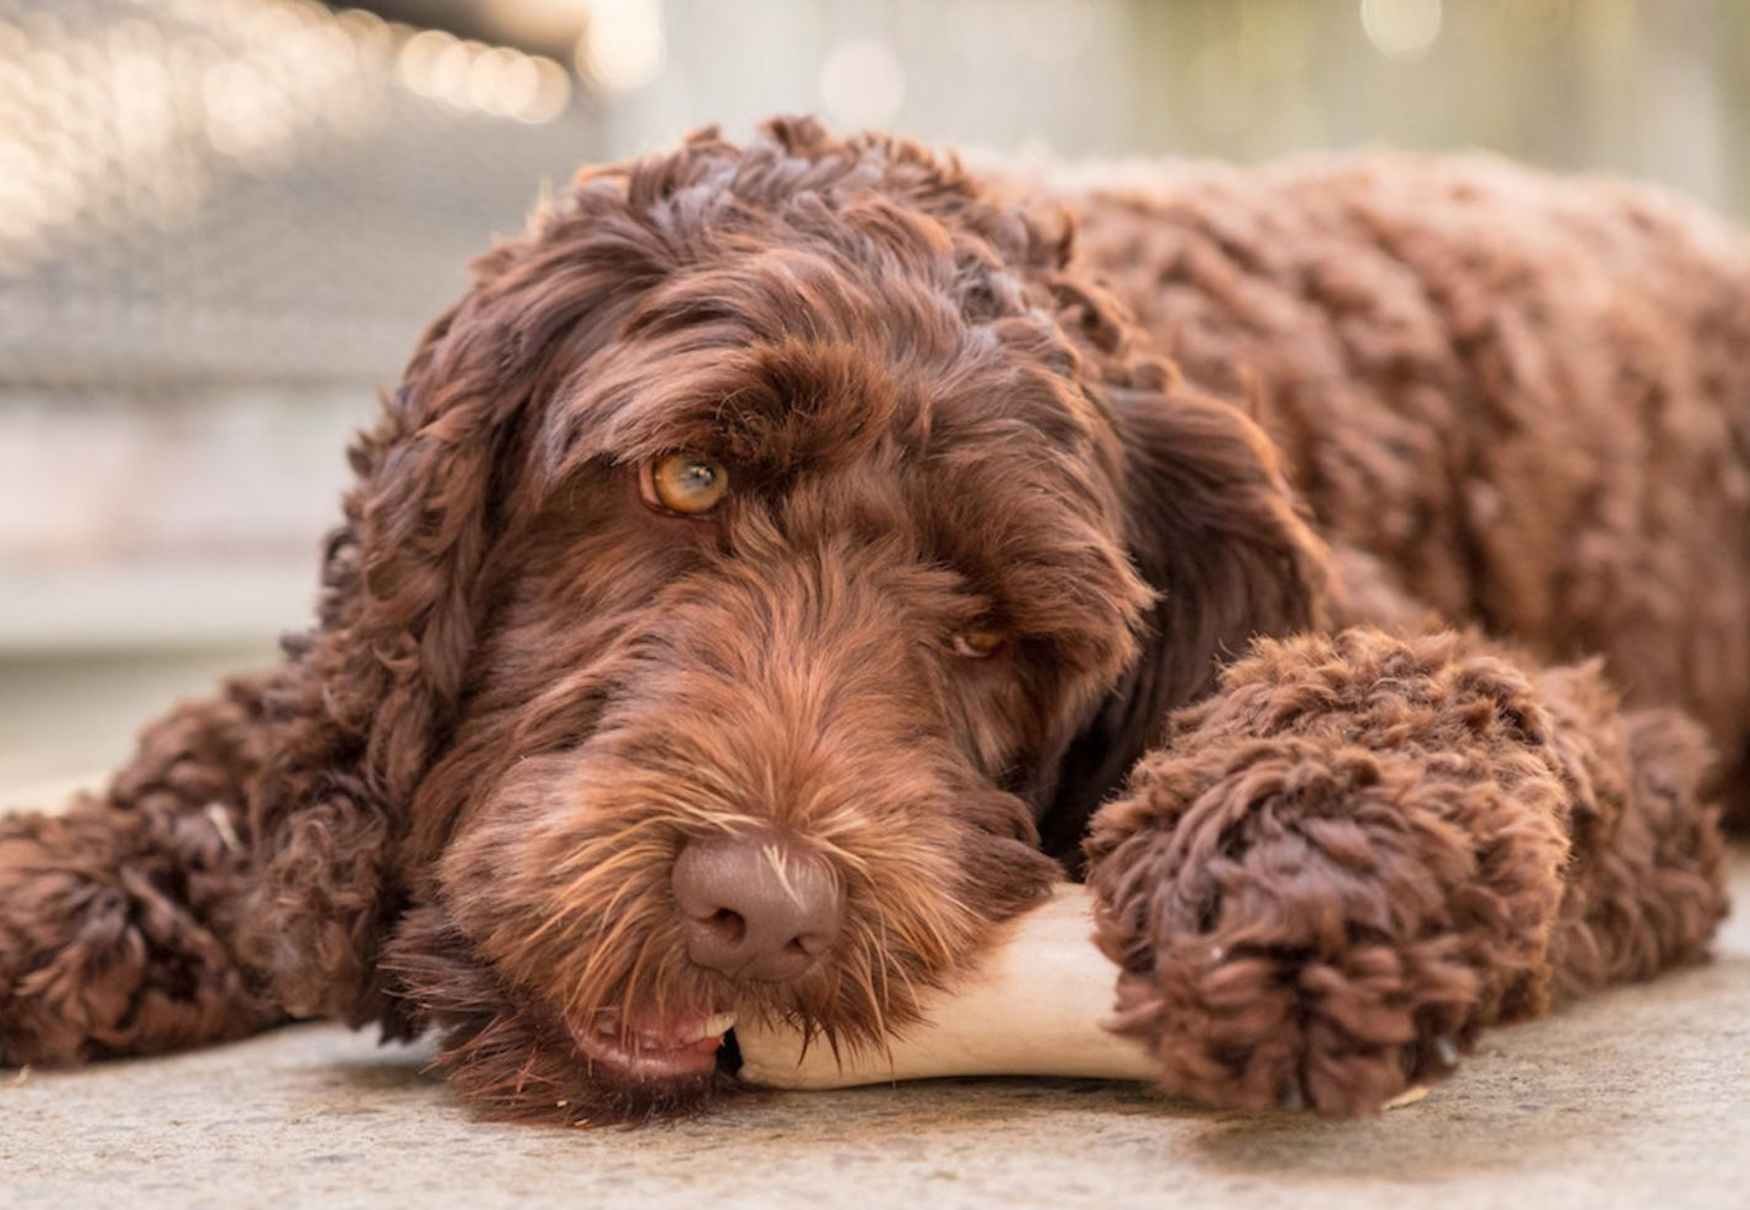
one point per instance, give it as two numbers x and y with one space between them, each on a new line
809 945
729 925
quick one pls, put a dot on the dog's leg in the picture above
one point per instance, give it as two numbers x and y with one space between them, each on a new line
117 917
1364 849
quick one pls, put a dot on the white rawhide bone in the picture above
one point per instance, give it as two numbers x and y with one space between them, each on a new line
1033 1007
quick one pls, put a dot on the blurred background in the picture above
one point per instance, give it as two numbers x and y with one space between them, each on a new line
224 222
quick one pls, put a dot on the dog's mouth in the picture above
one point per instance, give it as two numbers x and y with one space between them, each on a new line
649 1046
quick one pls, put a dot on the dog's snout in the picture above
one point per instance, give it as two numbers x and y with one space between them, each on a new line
756 907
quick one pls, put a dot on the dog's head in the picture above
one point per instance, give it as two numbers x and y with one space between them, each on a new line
768 546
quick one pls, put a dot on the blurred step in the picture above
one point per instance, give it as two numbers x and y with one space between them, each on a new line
183 521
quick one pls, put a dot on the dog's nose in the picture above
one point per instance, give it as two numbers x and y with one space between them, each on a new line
755 907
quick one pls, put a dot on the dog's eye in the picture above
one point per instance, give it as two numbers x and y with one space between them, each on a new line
978 644
690 484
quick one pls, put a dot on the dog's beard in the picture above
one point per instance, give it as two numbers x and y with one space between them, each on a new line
517 1055
554 961
512 1055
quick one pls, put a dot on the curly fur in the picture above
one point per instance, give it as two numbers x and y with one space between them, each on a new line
1364 848
1522 398
118 917
1222 456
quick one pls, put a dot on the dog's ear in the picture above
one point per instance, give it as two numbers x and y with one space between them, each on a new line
364 697
1213 527
365 701
1218 533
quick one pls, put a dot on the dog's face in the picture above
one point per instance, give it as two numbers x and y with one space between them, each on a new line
759 536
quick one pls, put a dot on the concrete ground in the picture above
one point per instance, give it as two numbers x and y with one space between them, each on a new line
1637 1098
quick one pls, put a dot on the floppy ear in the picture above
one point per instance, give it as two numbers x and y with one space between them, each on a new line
1216 530
363 698
1213 527
363 705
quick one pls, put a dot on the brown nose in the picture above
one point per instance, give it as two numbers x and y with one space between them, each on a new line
755 907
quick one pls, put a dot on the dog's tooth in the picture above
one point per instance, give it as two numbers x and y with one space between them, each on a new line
714 1026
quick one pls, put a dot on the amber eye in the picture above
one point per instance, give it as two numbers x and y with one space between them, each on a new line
978 644
686 483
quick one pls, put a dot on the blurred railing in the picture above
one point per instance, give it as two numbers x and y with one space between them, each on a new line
222 225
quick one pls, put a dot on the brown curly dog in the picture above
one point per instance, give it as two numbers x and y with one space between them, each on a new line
786 555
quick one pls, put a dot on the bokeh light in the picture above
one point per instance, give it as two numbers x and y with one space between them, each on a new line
862 83
1404 30
157 104
624 45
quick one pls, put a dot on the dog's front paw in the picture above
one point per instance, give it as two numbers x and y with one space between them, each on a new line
1308 924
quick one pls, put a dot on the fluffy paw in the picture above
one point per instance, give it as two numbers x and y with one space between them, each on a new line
1322 889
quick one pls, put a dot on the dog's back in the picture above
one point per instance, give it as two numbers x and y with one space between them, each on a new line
1526 396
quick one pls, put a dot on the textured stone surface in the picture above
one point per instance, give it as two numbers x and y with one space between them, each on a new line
1637 1098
